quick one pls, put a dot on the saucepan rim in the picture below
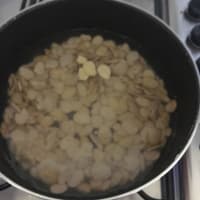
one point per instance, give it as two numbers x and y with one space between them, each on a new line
188 54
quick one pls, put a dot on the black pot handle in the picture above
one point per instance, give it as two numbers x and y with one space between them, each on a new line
4 186
145 196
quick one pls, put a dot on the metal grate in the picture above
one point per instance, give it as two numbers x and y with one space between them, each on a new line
27 3
162 10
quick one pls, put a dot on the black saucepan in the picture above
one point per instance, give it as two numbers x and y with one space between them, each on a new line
24 36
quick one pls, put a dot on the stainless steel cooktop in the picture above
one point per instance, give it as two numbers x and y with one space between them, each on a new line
184 21
186 181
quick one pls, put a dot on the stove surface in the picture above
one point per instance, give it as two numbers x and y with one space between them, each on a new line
191 161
